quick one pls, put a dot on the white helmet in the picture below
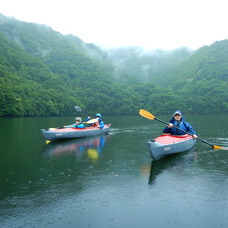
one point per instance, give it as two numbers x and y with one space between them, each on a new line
79 119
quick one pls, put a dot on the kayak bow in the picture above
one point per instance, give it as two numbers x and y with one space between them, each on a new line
170 144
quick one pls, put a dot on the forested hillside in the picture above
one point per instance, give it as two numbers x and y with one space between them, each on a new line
46 73
43 72
203 79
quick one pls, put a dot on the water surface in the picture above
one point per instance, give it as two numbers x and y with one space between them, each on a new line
111 181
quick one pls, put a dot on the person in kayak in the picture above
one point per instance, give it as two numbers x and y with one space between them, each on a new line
99 122
178 121
78 123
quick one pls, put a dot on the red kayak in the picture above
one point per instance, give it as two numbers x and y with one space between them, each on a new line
170 144
54 134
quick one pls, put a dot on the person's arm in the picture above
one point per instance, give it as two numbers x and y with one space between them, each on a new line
101 124
72 125
167 130
190 130
88 118
80 125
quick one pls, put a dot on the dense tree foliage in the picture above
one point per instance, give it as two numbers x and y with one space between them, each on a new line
43 72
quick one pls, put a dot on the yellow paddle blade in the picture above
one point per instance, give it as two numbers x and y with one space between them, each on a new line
219 147
92 121
146 114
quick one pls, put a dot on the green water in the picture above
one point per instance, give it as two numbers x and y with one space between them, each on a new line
110 181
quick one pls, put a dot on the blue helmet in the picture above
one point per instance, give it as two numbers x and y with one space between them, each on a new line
98 115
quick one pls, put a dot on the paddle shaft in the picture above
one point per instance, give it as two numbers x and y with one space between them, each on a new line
80 110
84 114
183 131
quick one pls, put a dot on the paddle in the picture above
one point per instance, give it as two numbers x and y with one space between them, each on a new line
150 116
80 110
92 121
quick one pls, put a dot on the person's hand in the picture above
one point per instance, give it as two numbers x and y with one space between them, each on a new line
170 125
195 136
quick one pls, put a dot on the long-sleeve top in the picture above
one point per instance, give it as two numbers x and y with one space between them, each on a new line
101 124
76 125
182 125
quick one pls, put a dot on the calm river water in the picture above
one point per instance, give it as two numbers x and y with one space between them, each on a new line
111 181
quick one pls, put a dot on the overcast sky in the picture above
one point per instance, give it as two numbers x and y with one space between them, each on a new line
152 24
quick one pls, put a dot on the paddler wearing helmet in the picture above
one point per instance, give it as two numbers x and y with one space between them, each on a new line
78 123
100 122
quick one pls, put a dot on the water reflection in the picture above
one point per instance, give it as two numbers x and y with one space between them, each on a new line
85 147
195 161
172 163
158 167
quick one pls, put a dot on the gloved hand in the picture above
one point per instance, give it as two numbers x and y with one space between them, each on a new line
170 125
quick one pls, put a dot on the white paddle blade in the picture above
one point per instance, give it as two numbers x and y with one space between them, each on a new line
92 121
78 108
